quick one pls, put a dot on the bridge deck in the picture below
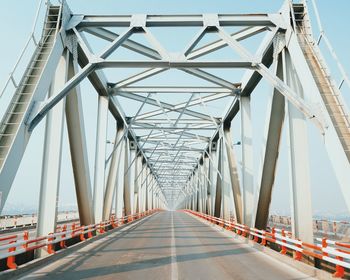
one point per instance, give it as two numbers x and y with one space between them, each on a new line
168 245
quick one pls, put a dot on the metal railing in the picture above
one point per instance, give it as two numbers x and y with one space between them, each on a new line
21 243
330 251
322 35
315 46
339 230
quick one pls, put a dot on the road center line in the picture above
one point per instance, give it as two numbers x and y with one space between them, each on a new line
174 271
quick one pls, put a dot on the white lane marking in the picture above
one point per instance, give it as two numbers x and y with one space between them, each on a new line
174 271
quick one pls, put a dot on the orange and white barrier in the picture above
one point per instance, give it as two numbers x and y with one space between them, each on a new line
336 253
30 220
20 243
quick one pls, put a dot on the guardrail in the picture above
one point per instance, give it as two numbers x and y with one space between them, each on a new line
21 243
336 253
322 35
336 229
31 220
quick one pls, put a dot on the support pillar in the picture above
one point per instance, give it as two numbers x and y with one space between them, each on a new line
213 176
51 165
218 187
78 149
298 161
113 172
247 161
120 180
147 188
129 186
100 157
232 173
226 186
143 186
273 137
200 187
138 181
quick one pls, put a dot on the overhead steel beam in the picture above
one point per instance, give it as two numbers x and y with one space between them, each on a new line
197 101
175 89
239 36
129 44
180 20
168 107
168 64
138 77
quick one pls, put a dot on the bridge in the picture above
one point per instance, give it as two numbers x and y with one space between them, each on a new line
168 197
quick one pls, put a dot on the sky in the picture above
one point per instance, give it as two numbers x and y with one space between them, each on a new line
16 19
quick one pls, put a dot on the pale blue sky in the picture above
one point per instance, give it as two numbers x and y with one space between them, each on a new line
16 19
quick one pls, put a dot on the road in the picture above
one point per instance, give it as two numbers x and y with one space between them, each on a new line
167 245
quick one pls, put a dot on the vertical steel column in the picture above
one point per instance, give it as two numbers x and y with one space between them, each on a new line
200 186
332 142
188 197
125 176
195 187
218 186
203 187
206 184
226 186
157 200
153 193
148 187
144 186
298 160
192 192
120 180
232 173
78 149
51 165
274 125
129 188
141 185
100 157
150 190
213 176
113 172
247 161
138 178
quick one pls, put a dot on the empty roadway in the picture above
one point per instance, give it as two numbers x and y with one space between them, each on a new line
167 245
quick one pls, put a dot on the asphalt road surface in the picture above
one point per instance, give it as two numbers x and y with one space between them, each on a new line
167 245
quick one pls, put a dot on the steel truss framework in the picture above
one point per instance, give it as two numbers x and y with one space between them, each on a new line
176 154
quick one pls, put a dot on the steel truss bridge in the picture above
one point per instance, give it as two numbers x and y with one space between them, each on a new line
172 150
